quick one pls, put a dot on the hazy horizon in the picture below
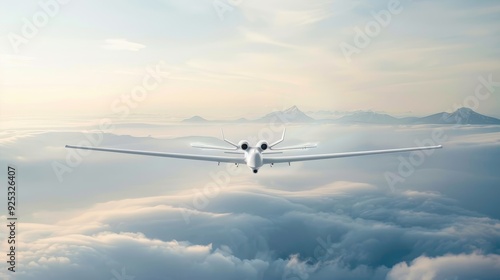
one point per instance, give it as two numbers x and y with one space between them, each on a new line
110 215
253 58
167 117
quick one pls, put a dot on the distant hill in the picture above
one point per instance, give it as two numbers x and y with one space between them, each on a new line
195 119
295 115
241 120
460 116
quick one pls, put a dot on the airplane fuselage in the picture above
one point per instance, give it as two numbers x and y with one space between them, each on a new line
254 159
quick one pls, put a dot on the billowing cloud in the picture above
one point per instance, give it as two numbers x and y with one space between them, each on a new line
125 216
462 266
341 229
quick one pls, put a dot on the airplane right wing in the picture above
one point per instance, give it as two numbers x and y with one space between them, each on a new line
284 159
239 160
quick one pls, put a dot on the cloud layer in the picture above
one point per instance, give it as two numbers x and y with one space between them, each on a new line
346 230
118 216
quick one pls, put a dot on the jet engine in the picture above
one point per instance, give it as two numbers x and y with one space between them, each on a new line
263 145
243 145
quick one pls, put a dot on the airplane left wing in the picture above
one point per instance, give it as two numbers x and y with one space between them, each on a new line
239 160
271 160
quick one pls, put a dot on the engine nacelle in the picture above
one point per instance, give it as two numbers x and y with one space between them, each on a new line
263 145
243 144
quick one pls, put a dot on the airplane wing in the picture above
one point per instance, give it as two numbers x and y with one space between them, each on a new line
208 147
298 147
239 160
271 160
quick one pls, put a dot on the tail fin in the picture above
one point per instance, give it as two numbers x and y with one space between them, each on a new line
279 141
227 141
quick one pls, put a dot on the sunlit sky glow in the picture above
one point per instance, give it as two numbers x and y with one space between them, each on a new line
263 56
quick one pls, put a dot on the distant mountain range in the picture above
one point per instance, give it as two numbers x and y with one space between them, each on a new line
295 115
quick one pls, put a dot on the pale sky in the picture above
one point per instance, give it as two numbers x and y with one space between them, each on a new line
249 59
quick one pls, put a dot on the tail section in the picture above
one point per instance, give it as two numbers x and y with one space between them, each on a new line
272 148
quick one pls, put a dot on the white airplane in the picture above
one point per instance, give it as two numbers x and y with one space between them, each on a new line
254 157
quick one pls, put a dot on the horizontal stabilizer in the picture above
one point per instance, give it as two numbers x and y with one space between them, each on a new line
298 147
208 147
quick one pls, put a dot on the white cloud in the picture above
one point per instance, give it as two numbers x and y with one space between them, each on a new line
264 227
463 266
360 226
122 45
